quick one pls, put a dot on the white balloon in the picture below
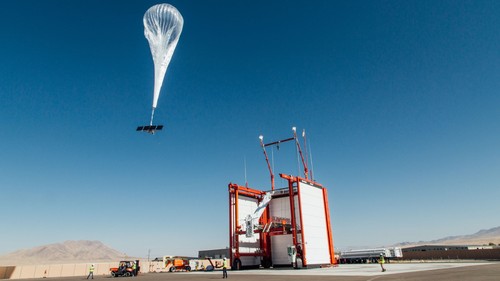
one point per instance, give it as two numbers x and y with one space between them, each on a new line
162 27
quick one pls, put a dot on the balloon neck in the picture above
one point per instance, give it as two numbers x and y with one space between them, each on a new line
152 115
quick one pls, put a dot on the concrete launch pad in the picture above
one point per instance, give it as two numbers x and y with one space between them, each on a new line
359 269
474 271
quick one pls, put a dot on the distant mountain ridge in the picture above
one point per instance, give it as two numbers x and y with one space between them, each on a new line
66 252
484 236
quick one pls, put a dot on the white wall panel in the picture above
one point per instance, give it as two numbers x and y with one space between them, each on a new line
246 206
279 246
249 261
315 227
280 207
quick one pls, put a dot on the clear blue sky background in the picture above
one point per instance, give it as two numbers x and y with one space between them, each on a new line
400 100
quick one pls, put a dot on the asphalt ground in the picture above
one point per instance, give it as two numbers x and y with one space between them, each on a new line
406 272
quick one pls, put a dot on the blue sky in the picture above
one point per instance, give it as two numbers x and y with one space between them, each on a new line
400 100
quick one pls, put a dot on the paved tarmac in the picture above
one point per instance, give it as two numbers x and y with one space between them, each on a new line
362 269
362 272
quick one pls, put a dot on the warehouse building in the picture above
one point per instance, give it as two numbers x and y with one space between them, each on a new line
214 254
438 252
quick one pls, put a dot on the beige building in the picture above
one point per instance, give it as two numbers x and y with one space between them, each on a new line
438 252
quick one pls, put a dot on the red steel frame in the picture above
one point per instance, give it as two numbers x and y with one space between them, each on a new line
235 229
297 180
264 237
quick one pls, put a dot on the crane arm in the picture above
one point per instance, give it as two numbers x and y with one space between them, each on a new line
249 220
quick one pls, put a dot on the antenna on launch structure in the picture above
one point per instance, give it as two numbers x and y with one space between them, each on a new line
312 165
245 163
277 144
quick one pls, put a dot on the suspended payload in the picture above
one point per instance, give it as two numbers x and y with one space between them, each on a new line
150 129
162 28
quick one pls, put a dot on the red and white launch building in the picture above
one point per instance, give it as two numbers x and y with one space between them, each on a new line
281 226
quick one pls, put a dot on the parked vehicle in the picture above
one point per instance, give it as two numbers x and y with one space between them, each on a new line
370 255
177 264
125 269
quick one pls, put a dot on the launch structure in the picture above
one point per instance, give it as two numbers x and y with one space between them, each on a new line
287 226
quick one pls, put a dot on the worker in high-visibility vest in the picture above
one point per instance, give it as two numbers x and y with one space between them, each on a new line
91 271
224 268
381 260
134 269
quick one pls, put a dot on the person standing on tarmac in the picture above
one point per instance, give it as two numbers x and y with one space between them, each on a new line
224 268
91 271
382 261
134 269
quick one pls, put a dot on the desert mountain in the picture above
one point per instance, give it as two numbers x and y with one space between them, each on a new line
67 252
482 237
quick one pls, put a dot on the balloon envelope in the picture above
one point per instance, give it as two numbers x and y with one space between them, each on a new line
162 27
